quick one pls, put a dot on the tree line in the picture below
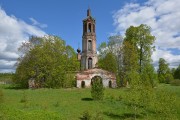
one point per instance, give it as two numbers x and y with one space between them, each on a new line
52 63
130 58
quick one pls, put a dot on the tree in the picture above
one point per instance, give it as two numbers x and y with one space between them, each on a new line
149 76
164 74
47 60
142 39
129 62
177 73
97 90
108 63
111 49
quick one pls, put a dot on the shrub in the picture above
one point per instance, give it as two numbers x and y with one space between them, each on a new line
69 81
98 116
175 82
86 116
97 90
1 96
162 104
168 78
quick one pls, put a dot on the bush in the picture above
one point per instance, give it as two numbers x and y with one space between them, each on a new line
162 104
175 82
98 116
86 116
168 78
1 96
97 90
69 81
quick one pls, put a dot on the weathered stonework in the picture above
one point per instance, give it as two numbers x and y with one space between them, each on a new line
108 78
89 53
88 57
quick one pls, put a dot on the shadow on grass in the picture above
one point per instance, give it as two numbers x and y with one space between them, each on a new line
122 116
87 99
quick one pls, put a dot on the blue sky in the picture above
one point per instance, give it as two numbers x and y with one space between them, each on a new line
64 17
22 18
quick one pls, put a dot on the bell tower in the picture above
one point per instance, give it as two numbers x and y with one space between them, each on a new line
89 53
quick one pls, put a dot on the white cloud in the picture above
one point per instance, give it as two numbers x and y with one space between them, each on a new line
13 32
36 23
163 16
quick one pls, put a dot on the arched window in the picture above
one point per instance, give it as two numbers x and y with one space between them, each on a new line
89 45
89 27
89 63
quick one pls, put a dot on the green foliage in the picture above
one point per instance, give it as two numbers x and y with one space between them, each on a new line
149 76
112 46
71 104
98 116
6 77
47 60
177 73
86 115
168 78
134 98
16 114
164 74
1 96
162 103
97 90
109 55
136 54
130 62
108 63
147 101
142 39
175 82
69 81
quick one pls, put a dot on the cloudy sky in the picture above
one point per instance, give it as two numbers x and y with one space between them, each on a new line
19 20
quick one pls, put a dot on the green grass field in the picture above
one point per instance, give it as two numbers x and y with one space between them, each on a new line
67 104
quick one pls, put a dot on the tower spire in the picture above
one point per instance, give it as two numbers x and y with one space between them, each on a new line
89 12
89 55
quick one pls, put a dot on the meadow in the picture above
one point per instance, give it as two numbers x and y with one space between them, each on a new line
70 104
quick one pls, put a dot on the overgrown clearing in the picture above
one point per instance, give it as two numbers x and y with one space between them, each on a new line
70 104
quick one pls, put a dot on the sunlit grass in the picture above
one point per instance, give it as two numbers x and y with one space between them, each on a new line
67 104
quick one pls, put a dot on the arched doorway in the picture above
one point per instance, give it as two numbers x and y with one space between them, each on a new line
83 84
89 63
110 84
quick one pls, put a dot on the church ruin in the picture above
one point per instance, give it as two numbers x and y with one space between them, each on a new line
88 57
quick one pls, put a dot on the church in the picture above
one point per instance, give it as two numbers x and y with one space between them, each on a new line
88 58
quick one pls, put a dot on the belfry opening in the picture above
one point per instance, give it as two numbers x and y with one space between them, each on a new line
88 57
